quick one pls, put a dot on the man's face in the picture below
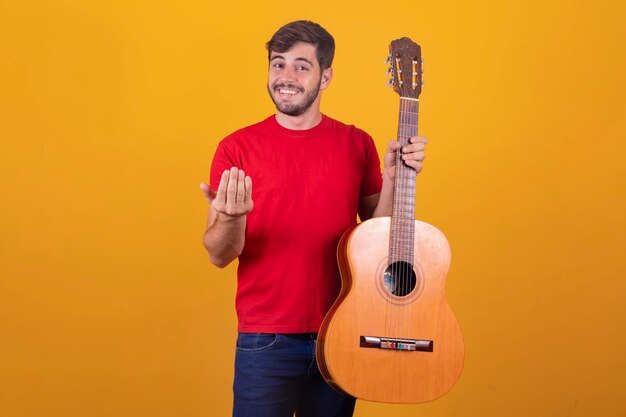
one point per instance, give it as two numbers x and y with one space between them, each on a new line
295 79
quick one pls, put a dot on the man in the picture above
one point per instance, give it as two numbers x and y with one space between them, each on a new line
312 175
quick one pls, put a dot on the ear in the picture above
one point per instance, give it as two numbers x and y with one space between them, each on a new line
327 75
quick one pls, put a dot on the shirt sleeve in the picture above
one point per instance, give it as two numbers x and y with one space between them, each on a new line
372 177
222 161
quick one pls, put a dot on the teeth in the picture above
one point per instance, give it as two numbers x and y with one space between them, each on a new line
292 92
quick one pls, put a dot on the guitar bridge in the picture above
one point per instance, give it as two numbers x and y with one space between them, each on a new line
394 343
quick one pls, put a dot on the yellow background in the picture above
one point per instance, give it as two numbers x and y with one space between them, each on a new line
109 115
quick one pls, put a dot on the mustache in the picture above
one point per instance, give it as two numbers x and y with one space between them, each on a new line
290 86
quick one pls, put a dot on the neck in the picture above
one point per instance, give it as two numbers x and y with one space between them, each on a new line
307 120
302 122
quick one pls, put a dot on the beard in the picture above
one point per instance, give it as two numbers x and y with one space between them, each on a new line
294 109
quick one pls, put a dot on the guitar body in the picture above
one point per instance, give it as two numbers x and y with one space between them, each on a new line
367 307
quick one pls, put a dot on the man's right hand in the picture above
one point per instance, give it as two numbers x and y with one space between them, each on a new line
234 194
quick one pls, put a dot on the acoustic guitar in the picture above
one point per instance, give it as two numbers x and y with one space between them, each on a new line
391 336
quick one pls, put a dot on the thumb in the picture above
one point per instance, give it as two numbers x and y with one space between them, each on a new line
391 154
207 192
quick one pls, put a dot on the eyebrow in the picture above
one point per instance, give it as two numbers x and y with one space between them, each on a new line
297 59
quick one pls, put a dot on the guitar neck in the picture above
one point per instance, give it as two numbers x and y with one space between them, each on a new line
403 215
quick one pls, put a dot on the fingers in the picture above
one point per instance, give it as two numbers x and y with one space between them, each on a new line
234 193
416 165
241 187
231 189
419 139
416 156
248 185
416 143
220 197
413 154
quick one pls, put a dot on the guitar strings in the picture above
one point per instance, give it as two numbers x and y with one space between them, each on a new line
403 225
406 216
407 235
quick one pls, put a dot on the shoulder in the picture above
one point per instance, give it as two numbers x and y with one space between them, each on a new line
347 129
351 133
256 129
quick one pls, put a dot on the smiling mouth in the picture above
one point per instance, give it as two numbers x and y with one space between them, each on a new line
284 90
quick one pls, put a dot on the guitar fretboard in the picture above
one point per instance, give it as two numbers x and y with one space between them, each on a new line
403 215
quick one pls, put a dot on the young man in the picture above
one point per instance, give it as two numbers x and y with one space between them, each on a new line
312 175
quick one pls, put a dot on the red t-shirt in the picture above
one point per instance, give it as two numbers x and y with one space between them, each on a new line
306 190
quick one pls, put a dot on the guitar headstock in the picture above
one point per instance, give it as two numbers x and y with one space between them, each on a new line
406 61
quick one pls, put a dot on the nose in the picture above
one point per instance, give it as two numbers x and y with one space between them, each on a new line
288 73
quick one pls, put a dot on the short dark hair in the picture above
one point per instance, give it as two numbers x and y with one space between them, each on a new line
304 31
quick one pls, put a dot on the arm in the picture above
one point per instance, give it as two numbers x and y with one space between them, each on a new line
224 236
381 204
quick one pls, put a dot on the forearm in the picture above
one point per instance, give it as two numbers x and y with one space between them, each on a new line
385 201
224 238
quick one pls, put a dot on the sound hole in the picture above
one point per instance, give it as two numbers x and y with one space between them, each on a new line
400 278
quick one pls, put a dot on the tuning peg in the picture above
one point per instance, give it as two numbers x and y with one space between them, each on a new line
389 70
389 83
388 60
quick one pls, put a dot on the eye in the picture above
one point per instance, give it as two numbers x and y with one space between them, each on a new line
303 68
278 65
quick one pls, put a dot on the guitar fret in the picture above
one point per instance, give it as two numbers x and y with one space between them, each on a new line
406 227
405 251
406 224
406 257
402 238
404 213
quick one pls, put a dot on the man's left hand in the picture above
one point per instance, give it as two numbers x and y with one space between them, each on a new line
412 154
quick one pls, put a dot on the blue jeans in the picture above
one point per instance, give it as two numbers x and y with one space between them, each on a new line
277 375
